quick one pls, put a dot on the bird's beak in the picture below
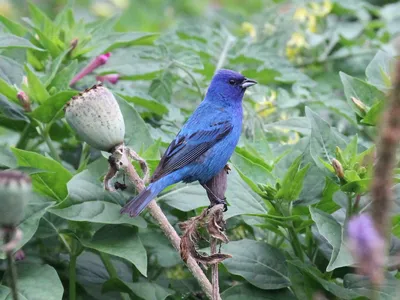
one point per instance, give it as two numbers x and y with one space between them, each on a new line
248 82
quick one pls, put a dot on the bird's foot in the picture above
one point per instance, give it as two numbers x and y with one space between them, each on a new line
219 201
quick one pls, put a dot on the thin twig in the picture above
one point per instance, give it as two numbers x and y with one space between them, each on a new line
166 227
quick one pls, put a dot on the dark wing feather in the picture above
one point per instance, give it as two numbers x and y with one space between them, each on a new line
185 149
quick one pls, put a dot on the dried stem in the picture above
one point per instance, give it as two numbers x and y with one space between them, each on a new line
123 162
389 137
214 270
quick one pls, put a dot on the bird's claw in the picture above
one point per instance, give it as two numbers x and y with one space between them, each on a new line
219 201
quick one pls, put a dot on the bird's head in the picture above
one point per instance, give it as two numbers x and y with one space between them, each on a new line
229 83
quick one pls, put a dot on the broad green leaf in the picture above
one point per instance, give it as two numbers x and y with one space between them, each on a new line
373 115
357 186
137 135
260 264
52 184
329 286
12 41
240 197
323 139
161 88
96 212
299 124
121 241
36 89
11 71
7 159
292 183
36 208
252 169
12 111
247 291
8 90
49 288
6 294
380 69
158 245
361 90
55 65
390 288
329 228
145 101
144 290
42 22
48 110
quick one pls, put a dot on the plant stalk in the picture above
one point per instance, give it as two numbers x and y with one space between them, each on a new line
12 270
72 276
214 271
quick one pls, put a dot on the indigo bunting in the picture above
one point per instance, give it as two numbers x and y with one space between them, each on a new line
205 143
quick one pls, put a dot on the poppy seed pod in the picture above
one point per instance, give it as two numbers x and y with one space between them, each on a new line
15 188
96 118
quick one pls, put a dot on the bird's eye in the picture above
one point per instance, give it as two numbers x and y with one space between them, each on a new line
232 81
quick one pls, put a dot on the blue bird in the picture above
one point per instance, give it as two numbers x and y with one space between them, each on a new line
205 143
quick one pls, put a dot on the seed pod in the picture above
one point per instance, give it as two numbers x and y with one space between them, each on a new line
338 168
96 118
15 189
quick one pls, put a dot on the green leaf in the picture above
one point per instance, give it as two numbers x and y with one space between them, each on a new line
36 208
52 184
330 286
96 212
144 290
247 291
50 287
43 22
161 88
380 70
299 124
63 78
55 65
6 294
329 228
137 134
11 110
241 198
374 113
146 101
323 139
292 183
361 90
13 27
11 72
48 110
261 264
120 241
12 41
361 285
36 89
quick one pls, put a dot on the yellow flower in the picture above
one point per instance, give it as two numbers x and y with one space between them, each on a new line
249 29
266 107
297 40
321 10
103 9
300 14
122 4
6 8
312 23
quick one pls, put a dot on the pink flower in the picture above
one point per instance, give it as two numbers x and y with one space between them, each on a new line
24 100
97 62
112 78
367 247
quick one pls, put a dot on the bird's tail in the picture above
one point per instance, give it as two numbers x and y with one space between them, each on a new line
137 204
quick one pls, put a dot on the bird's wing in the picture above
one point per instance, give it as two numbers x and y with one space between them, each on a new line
186 148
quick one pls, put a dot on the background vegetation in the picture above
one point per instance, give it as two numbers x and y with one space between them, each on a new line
288 205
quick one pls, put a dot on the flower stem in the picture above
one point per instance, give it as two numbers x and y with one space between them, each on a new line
12 271
23 140
46 137
224 53
72 277
112 272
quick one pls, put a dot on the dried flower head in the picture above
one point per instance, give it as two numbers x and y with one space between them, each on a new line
367 247
96 117
15 188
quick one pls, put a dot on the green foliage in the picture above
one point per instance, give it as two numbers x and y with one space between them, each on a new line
324 70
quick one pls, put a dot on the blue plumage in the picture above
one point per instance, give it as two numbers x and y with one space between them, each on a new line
204 144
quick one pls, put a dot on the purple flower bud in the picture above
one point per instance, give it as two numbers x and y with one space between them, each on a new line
97 62
367 247
112 78
24 100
